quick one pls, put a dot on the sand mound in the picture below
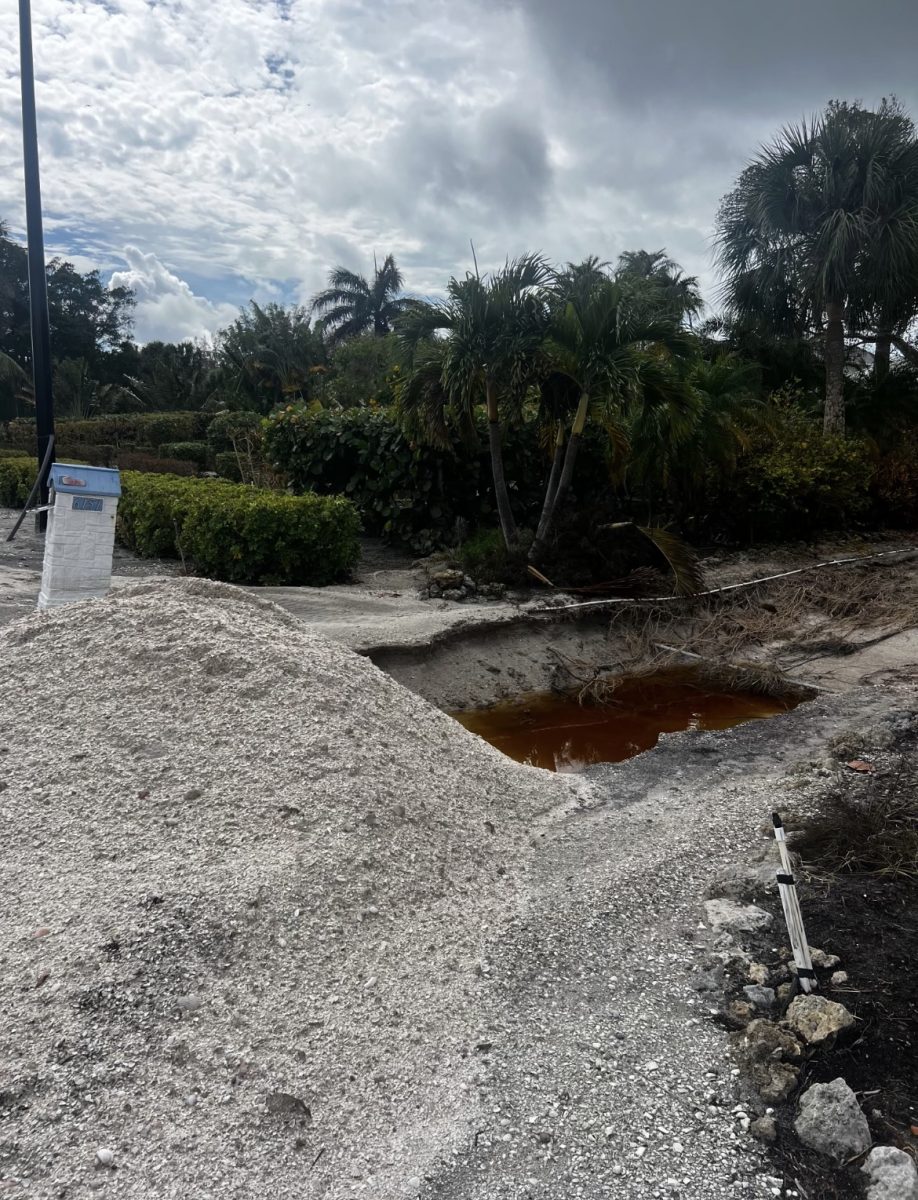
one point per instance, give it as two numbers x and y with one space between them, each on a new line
246 881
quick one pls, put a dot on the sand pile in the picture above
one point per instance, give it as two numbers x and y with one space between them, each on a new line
245 882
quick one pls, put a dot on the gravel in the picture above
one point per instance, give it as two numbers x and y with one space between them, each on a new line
240 864
324 975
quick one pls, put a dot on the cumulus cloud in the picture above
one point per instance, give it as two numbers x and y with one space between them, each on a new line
262 141
167 308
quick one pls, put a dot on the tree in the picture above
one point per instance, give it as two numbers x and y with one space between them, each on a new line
655 282
361 371
822 229
482 344
604 353
173 375
351 306
267 356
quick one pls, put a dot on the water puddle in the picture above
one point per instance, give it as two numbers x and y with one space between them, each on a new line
556 732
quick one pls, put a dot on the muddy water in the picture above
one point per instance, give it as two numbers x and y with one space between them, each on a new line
559 734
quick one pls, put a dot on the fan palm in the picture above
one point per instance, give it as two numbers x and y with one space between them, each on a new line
614 360
658 282
482 344
351 305
822 227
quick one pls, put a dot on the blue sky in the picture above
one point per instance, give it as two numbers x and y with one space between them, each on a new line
213 151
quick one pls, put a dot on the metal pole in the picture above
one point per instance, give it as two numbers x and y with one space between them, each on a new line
38 283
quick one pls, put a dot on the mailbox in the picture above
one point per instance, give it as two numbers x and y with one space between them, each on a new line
81 533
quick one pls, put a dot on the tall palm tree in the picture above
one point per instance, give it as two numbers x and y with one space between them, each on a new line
613 359
823 226
352 306
482 344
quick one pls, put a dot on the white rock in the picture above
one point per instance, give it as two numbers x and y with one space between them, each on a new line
724 916
830 1121
105 1157
893 1174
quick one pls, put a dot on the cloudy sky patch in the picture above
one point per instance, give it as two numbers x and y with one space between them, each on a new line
214 151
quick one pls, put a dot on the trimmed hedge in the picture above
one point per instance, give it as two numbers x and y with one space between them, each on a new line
238 533
16 478
228 428
121 429
195 452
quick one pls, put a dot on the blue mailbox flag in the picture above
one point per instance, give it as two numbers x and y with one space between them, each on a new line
85 481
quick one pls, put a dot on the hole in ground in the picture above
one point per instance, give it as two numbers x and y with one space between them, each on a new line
559 732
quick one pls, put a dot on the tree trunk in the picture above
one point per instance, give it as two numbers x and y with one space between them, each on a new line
834 419
881 350
567 471
551 489
501 495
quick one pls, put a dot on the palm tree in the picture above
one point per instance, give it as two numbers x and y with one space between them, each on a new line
822 227
352 306
611 358
482 344
658 282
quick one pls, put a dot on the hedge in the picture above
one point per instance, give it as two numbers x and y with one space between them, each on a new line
195 452
122 429
16 478
238 533
410 492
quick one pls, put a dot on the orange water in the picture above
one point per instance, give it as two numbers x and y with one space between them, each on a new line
557 733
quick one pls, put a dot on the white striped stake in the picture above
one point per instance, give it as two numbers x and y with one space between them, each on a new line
791 905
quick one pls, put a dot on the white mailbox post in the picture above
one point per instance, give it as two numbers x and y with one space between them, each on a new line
81 534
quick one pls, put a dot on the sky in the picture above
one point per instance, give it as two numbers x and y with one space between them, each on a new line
209 152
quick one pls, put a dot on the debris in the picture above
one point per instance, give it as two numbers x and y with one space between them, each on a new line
839 978
817 1020
861 765
765 1129
830 1121
728 917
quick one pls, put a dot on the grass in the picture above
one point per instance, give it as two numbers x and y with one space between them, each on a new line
873 835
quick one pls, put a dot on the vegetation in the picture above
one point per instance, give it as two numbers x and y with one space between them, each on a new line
238 533
559 405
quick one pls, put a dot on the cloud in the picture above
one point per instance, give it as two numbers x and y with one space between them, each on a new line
253 144
167 308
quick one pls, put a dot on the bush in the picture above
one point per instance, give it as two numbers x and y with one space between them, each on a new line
226 464
485 557
410 492
895 484
101 455
16 478
796 480
238 533
119 429
142 460
228 429
195 452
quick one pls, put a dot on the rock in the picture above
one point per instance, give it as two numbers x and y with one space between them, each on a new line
105 1157
830 1121
744 883
817 1020
760 997
839 978
447 579
193 794
739 1013
765 1129
727 917
283 1104
786 993
453 594
893 1174
768 1053
819 958
189 1004
757 972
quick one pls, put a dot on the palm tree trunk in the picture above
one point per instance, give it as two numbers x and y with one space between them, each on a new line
501 494
550 492
881 350
567 472
834 418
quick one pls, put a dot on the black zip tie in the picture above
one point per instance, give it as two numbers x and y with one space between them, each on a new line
788 879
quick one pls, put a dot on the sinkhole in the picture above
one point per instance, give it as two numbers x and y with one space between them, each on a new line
568 732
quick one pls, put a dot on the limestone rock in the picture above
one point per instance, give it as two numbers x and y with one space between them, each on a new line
765 1129
817 1020
893 1174
830 1121
768 1054
827 962
759 996
724 916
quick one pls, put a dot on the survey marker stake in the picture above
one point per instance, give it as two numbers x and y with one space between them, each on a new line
791 904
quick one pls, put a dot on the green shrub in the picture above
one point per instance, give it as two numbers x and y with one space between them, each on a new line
895 484
144 460
410 492
119 429
228 429
11 452
484 556
796 480
238 533
195 452
17 476
101 455
226 464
